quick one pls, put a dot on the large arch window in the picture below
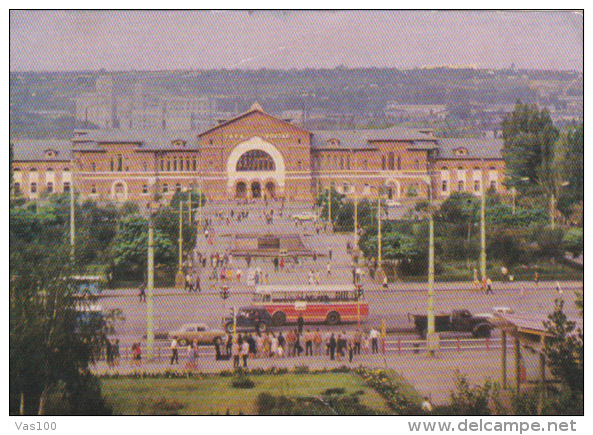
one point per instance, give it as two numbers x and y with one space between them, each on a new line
255 160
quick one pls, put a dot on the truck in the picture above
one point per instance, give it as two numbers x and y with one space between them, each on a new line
457 321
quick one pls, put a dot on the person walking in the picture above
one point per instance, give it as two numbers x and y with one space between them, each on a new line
174 352
275 264
281 345
356 341
374 336
281 263
115 352
489 286
350 351
244 352
198 287
300 323
536 278
142 292
329 269
385 285
308 343
332 347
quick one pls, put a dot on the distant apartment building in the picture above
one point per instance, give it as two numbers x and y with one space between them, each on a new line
126 106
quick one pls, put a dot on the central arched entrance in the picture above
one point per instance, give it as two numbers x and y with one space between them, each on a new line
255 189
256 163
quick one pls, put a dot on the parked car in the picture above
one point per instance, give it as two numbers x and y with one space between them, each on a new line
306 216
195 331
392 203
247 318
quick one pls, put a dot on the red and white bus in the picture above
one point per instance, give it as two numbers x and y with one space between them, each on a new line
331 304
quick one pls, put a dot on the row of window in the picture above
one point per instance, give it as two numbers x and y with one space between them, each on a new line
49 187
180 164
335 162
461 185
46 169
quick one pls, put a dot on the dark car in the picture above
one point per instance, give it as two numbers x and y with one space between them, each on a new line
247 319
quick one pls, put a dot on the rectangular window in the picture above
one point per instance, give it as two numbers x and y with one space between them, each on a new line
444 186
66 187
460 186
93 189
33 187
175 165
493 185
194 164
162 165
144 188
168 165
476 185
50 187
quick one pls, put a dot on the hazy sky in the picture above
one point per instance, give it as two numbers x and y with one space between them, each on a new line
163 40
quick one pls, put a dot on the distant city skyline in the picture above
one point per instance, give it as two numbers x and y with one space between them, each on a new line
196 40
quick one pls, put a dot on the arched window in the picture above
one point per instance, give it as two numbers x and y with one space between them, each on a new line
383 163
416 163
193 164
33 187
165 188
120 163
255 160
162 165
66 187
348 162
342 163
144 188
93 189
391 162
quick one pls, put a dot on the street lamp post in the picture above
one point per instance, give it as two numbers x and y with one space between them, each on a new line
379 273
72 228
482 228
432 338
149 291
179 279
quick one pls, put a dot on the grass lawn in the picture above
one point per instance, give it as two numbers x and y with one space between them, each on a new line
213 394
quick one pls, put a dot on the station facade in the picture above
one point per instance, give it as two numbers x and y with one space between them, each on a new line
256 155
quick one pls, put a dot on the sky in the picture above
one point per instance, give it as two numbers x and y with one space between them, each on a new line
170 40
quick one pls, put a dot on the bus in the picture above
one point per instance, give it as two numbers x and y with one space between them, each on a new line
86 286
331 304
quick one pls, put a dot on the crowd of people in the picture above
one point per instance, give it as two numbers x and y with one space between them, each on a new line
336 346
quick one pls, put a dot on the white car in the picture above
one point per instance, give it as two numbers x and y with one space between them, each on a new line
499 310
307 216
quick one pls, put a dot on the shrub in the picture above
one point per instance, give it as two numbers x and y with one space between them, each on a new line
301 369
242 381
331 391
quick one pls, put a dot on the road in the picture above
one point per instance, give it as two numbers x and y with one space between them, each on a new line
430 375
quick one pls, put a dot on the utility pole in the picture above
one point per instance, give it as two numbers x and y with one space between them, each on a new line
180 279
72 228
482 227
149 292
432 338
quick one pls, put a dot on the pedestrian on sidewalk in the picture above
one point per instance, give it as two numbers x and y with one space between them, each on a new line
142 292
489 286
332 347
385 285
329 269
536 278
244 352
174 352
374 336
300 324
198 288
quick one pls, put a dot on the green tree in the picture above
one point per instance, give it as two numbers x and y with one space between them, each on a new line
529 146
184 197
572 148
573 241
564 349
129 248
337 202
49 349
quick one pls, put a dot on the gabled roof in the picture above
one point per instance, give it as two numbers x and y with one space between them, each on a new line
34 149
147 140
476 148
255 108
